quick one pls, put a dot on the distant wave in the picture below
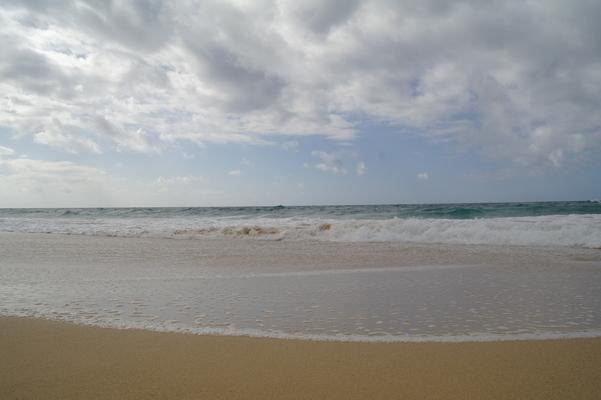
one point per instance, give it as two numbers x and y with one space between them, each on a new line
382 212
549 230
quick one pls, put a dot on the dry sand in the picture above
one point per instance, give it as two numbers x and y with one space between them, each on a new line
52 360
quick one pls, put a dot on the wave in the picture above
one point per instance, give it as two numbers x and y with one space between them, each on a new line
557 230
381 212
570 230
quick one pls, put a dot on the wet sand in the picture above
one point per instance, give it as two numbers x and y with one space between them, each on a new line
52 360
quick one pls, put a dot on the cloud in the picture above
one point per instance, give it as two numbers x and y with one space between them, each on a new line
136 140
32 71
186 179
330 162
361 168
28 182
244 87
321 17
291 145
235 172
55 136
171 184
66 142
58 182
187 190
6 151
45 169
511 80
423 176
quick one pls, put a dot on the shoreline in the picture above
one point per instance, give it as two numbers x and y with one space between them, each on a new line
267 289
331 338
52 360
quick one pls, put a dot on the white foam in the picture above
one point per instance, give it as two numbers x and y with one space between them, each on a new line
551 230
563 230
174 326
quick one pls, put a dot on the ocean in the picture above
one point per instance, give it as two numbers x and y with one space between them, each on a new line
574 223
374 273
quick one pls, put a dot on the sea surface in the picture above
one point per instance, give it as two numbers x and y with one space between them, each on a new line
574 223
455 272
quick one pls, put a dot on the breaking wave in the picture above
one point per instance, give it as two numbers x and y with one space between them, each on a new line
548 230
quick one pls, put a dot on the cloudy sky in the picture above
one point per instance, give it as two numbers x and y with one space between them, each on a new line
183 103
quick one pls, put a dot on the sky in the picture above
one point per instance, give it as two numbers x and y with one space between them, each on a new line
216 103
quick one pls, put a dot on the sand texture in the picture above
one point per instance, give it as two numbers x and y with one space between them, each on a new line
52 360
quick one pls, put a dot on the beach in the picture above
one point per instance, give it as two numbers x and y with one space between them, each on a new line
274 199
53 360
237 317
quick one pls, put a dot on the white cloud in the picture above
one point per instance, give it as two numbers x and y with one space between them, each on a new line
291 145
330 162
513 80
135 140
423 176
185 180
27 182
6 151
178 185
186 191
235 172
56 182
54 136
40 169
361 168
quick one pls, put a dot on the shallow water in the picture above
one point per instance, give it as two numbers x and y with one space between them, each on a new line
299 290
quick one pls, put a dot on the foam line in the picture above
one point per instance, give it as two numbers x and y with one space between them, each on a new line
230 331
580 230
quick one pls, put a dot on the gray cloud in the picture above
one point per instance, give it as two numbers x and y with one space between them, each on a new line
32 71
245 88
512 80
138 24
322 16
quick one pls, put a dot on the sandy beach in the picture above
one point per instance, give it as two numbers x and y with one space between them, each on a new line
129 282
52 360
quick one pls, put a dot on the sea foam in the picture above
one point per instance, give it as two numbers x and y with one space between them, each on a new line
582 230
